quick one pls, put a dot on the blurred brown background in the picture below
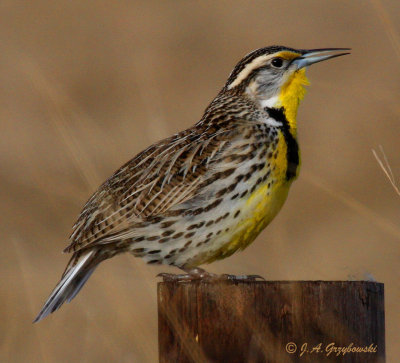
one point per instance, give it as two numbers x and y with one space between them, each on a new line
86 85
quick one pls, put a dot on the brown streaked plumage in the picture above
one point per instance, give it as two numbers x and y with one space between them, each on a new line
207 191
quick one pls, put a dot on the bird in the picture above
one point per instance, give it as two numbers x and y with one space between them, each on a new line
208 191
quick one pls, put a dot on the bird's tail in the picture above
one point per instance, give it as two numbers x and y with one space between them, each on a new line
80 267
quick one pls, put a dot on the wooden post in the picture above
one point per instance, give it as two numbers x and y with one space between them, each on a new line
271 321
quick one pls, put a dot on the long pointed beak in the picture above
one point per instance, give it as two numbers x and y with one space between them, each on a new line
318 55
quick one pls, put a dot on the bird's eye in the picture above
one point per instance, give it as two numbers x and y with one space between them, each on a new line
277 62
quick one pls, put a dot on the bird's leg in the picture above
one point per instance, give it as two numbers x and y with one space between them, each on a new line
197 273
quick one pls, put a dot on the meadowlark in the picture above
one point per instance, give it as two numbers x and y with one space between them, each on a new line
208 191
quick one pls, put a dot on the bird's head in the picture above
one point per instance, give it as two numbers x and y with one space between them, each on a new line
275 76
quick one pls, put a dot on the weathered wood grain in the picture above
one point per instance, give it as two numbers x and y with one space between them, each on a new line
254 321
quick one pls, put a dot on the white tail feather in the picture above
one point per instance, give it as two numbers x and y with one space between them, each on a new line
70 284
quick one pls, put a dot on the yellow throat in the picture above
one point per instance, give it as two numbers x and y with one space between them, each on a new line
292 92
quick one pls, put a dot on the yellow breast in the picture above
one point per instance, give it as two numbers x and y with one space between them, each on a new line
259 210
267 200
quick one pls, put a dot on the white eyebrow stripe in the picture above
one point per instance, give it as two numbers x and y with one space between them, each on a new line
250 67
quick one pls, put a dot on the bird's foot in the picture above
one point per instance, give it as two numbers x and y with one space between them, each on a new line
194 274
198 274
242 278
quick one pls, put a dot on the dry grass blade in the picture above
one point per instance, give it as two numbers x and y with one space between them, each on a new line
62 111
385 166
348 200
387 25
26 284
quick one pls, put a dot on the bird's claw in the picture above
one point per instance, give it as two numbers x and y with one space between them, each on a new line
175 277
201 275
243 278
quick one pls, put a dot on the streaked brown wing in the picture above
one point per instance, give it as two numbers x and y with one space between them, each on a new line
164 175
